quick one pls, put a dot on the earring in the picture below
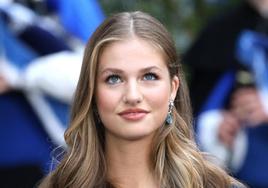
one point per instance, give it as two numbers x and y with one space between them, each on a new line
169 118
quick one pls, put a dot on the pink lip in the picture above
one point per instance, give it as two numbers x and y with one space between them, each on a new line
133 114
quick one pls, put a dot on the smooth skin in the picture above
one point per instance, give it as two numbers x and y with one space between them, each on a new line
132 95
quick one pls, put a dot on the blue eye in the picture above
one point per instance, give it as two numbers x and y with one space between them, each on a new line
113 79
150 76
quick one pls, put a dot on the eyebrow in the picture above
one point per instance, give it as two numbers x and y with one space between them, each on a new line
119 71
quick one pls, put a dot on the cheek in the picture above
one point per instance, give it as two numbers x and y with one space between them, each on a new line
106 99
158 97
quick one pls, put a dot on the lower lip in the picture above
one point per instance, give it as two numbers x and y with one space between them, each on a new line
133 116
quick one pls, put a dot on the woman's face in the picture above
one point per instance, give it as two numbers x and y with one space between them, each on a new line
133 89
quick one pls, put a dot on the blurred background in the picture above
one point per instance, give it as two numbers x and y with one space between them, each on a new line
41 49
183 18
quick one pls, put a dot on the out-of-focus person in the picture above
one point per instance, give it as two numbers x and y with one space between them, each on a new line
40 63
228 85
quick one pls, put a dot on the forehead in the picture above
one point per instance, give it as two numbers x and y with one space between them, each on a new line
132 52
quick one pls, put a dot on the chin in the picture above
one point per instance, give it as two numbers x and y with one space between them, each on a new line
137 135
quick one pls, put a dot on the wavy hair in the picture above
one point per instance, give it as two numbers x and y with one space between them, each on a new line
176 160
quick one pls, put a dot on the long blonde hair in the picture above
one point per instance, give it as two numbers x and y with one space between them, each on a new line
176 160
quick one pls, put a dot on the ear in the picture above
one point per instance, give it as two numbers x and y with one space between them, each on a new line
175 83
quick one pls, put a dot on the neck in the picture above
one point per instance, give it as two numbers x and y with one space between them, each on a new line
129 163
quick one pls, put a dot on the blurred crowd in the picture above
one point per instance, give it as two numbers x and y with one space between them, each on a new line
229 89
41 49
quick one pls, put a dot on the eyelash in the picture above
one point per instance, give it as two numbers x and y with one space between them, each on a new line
151 74
108 79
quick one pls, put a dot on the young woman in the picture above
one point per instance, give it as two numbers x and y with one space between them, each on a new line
131 118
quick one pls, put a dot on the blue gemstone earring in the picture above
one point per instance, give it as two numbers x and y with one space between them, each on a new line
169 118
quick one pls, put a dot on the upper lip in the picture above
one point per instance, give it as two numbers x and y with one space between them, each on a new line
133 110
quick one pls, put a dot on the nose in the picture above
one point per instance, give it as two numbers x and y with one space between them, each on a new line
133 94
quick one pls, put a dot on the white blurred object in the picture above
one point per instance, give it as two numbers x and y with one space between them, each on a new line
5 2
55 75
52 125
208 128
